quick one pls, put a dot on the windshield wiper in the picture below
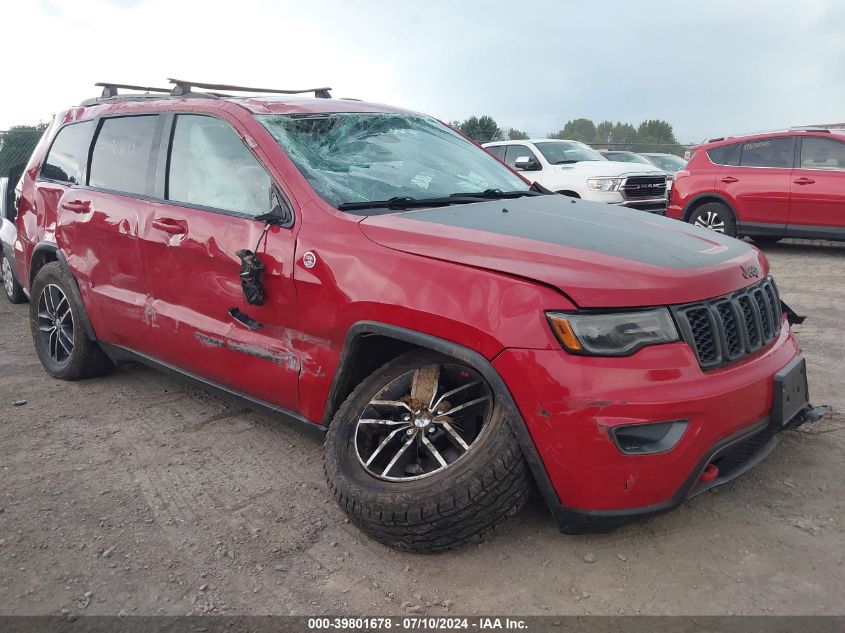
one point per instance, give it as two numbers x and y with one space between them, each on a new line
497 194
566 162
406 202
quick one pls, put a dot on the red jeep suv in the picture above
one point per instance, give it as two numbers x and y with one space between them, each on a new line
766 186
364 270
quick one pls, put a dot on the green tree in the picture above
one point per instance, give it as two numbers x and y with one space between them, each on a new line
624 136
583 130
656 135
516 135
481 129
16 145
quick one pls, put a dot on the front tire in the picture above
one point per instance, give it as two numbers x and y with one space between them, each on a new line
60 339
14 291
714 216
420 456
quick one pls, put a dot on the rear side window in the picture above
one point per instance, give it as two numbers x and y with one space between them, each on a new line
768 152
121 154
210 166
822 153
68 154
720 155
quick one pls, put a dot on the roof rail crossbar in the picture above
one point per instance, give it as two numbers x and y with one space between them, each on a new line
182 87
809 128
110 89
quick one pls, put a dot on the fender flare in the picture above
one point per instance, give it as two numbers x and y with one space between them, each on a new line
475 360
56 253
710 194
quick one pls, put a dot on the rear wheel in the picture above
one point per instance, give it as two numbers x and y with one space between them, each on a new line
14 291
60 339
714 216
421 457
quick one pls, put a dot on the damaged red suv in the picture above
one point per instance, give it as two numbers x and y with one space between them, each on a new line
460 335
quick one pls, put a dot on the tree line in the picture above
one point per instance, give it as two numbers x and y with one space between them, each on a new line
16 145
652 135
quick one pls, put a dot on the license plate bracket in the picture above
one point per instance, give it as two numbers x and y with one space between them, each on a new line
791 392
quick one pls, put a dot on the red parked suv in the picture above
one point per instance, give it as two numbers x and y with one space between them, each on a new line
766 186
367 271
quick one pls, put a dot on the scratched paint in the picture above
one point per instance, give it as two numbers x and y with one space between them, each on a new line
274 356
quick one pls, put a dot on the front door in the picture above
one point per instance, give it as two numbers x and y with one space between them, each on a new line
817 206
213 188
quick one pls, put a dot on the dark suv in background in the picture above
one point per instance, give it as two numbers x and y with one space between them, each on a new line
766 186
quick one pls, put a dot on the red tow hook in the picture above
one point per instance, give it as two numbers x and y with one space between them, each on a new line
710 473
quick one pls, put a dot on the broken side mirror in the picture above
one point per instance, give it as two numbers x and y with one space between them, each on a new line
280 213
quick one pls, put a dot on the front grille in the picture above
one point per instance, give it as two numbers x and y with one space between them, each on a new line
642 187
729 328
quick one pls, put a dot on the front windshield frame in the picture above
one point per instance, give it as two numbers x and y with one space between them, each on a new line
357 157
563 152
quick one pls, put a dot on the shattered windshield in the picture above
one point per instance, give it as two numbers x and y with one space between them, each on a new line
353 157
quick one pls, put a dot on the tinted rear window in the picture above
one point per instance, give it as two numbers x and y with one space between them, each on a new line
68 155
720 155
122 153
768 152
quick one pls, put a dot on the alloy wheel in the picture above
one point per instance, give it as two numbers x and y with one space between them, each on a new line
423 422
8 280
55 323
711 220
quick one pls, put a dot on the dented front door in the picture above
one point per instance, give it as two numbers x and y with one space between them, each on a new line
215 188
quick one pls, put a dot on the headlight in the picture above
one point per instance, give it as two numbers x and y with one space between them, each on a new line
604 184
617 334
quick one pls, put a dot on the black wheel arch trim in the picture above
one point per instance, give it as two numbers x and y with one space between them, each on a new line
717 197
55 251
475 360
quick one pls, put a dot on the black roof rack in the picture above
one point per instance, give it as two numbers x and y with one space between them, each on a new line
183 87
110 89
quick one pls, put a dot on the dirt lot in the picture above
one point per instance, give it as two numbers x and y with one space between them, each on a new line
140 494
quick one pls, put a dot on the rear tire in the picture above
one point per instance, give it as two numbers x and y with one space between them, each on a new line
416 504
714 216
58 333
14 291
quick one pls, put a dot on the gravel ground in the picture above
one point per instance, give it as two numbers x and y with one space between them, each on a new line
140 494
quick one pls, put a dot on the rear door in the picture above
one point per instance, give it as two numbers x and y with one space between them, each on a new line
212 187
757 181
98 227
817 206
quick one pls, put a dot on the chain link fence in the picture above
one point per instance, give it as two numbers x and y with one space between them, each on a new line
16 145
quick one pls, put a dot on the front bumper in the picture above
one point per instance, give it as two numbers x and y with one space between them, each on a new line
570 403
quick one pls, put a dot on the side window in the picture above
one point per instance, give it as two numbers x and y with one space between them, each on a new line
68 154
720 155
210 166
498 151
518 151
822 153
122 154
768 152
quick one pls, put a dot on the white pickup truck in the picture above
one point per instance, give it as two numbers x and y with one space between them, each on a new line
575 169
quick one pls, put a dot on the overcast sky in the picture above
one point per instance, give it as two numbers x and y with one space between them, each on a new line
709 68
